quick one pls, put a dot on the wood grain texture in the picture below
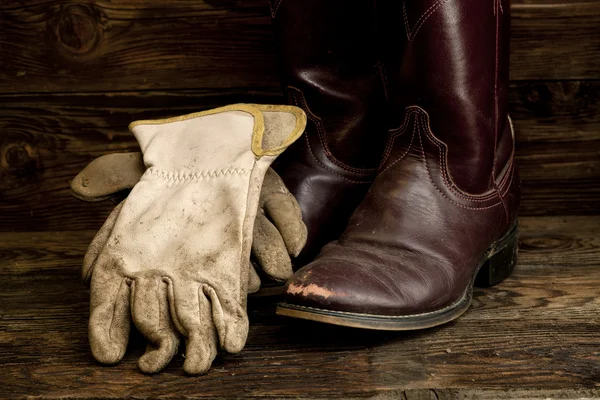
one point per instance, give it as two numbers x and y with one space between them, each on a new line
555 39
74 74
72 46
558 145
538 329
47 139
461 394
75 46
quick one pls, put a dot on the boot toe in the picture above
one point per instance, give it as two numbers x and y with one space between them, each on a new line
343 281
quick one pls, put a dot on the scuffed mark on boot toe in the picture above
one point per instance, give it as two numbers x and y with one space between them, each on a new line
311 290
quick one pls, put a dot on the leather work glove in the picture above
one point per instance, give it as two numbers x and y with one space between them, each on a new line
174 256
279 232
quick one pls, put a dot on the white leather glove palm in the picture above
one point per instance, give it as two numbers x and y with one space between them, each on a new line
279 232
174 255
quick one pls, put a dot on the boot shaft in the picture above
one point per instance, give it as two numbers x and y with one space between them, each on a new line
451 58
328 66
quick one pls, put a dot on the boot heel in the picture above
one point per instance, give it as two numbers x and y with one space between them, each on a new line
501 261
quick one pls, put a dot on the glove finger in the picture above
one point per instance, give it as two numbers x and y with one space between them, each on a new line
193 319
98 243
253 279
108 175
230 319
109 323
201 347
284 211
151 315
270 250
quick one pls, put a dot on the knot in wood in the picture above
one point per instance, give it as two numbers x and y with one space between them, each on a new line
78 28
18 160
16 156
538 98
547 242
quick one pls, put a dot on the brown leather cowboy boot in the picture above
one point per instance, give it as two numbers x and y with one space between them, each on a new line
329 68
441 214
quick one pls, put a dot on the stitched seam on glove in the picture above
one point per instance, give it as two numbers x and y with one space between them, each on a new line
189 176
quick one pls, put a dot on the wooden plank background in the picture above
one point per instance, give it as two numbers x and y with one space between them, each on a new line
73 74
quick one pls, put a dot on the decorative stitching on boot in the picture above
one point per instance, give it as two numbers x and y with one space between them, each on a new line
300 101
406 26
394 133
509 168
428 13
498 7
384 78
507 182
412 138
443 156
496 119
327 168
294 100
502 186
438 189
507 175
274 6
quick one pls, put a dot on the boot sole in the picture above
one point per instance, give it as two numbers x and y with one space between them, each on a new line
497 264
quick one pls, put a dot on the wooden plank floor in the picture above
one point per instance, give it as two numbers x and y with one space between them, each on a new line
537 335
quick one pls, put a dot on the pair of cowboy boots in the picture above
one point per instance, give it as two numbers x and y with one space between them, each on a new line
405 174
